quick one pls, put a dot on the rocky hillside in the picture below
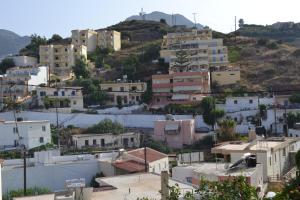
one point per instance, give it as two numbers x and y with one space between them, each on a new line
11 43
175 19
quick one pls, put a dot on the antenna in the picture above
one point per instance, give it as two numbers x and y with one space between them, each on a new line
143 14
195 21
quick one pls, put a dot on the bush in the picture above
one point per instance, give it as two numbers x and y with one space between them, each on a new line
106 126
262 42
234 54
29 192
272 45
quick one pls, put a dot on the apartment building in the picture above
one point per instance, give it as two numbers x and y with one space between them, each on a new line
29 133
129 92
109 39
19 81
234 104
273 153
200 48
180 88
225 75
67 97
108 140
86 38
24 60
61 58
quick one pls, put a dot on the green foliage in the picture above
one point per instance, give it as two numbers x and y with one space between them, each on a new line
293 118
55 39
272 45
130 66
296 53
147 96
119 102
226 131
10 155
56 102
210 113
234 54
295 98
157 145
174 192
262 42
32 49
163 21
106 126
183 109
297 158
205 143
99 57
80 68
29 192
6 64
182 59
149 52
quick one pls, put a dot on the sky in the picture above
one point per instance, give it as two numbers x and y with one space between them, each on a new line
46 17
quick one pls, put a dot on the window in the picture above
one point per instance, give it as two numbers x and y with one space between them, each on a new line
41 139
86 142
62 93
75 50
74 102
109 89
171 80
102 142
56 65
44 128
56 58
283 152
133 88
275 158
270 161
73 93
137 98
157 100
94 142
42 93
66 49
189 179
235 102
122 89
56 50
83 41
132 139
55 93
250 101
66 64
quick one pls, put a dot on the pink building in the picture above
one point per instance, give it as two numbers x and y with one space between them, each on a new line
179 88
176 132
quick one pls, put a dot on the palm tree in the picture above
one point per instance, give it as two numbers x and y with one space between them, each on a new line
226 131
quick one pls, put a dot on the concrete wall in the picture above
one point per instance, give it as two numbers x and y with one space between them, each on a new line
52 177
159 165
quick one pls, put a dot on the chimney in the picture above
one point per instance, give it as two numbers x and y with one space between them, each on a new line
164 185
251 135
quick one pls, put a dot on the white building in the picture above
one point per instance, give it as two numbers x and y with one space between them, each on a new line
29 133
24 61
108 140
234 104
69 97
272 153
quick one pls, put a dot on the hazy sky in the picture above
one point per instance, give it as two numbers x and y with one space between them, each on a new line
46 17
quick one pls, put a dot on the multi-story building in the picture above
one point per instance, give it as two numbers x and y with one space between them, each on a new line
176 133
64 97
29 133
61 58
109 39
108 140
180 88
128 92
86 37
273 153
200 48
19 81
225 75
24 61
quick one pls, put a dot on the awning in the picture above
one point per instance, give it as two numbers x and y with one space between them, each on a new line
180 97
171 127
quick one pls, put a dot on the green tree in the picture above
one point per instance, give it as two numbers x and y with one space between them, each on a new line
182 60
293 118
29 192
226 131
119 102
295 98
147 96
130 66
163 21
80 68
32 49
210 113
241 23
106 126
6 64
55 39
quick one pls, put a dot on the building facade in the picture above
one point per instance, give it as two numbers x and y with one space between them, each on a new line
64 97
225 75
29 133
109 140
129 93
234 104
109 39
61 58
24 61
86 38
180 88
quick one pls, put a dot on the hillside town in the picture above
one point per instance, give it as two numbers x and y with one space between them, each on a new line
172 120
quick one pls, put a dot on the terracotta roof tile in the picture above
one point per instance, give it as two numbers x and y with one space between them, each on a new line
151 154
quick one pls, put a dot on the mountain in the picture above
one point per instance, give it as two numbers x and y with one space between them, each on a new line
11 42
177 19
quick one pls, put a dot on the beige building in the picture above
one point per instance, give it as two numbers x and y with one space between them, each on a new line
130 93
86 37
201 49
225 75
68 97
61 58
109 39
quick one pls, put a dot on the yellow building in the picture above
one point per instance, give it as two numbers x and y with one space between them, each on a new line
130 93
86 37
61 58
109 39
226 76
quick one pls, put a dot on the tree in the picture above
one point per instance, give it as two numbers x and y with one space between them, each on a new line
32 49
80 68
295 98
241 23
293 118
226 130
210 113
106 126
147 96
55 39
182 60
130 66
6 64
163 21
119 102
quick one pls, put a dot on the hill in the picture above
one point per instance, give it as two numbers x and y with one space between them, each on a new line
11 42
175 19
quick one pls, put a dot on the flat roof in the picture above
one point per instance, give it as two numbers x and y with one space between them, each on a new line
40 197
140 185
31 121
101 134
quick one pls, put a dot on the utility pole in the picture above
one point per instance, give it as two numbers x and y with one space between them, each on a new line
195 21
235 29
145 153
25 170
1 91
